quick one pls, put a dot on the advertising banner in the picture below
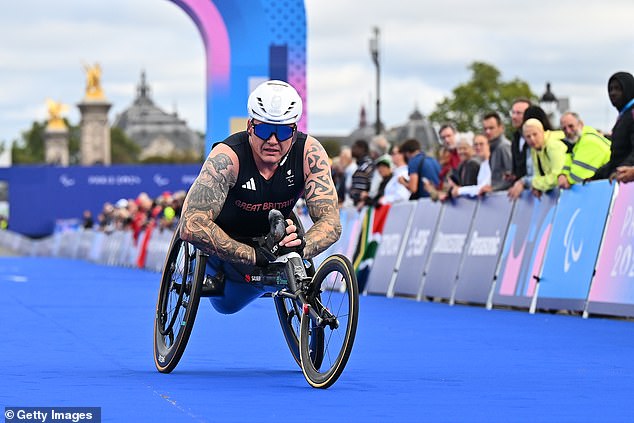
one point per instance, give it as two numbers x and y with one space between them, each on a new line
417 247
612 290
40 195
387 255
572 251
484 246
448 247
524 248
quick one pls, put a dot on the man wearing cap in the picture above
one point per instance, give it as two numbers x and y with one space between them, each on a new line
268 166
382 168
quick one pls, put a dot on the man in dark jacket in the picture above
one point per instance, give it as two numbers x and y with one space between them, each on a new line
621 93
501 160
519 148
362 177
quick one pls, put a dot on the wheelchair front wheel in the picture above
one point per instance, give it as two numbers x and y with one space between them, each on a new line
179 295
335 299
289 314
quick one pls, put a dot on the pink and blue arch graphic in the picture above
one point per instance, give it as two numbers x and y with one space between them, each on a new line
246 40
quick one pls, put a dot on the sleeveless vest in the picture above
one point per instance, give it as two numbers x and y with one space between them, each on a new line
246 209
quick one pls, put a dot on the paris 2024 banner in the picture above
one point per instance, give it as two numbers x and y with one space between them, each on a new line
612 290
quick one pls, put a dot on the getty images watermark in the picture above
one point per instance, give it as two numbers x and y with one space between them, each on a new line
52 414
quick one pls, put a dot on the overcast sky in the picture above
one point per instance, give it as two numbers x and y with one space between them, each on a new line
425 45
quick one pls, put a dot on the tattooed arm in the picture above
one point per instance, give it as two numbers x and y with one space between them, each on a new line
321 200
203 204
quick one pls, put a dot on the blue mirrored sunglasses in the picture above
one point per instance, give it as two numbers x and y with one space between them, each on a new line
265 130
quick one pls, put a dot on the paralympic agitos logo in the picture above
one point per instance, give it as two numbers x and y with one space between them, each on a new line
572 252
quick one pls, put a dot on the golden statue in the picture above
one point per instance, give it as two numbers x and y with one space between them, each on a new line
55 110
93 82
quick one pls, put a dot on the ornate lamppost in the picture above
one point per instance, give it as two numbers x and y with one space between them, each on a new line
374 51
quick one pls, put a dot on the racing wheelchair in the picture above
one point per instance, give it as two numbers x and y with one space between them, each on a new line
317 309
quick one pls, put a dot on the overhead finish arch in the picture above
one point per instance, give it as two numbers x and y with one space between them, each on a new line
247 42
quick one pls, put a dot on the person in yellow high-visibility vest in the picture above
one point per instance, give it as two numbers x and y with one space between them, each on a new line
548 154
587 151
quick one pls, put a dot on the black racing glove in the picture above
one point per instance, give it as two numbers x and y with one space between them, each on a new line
268 246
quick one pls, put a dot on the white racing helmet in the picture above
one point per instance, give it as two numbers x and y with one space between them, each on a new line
275 102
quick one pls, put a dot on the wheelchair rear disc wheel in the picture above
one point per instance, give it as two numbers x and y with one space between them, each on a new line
179 295
336 296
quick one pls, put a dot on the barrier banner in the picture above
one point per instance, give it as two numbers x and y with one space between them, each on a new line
524 248
385 261
448 247
40 196
417 247
484 246
572 251
612 290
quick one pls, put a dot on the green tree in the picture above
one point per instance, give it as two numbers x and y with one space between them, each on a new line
74 147
484 93
332 147
122 148
30 148
178 157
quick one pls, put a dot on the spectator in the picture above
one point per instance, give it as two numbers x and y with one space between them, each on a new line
483 178
379 147
467 172
587 150
395 192
139 214
362 176
526 182
448 135
106 218
178 198
521 171
339 179
382 167
87 220
548 155
423 171
621 93
167 217
348 166
446 167
501 158
625 174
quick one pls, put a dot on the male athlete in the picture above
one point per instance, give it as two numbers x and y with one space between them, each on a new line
268 166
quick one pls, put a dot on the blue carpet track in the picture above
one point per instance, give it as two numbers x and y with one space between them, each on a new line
78 334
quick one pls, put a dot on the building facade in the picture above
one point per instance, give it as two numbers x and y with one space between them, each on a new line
156 132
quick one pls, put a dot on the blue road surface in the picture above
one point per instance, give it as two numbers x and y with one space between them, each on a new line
76 334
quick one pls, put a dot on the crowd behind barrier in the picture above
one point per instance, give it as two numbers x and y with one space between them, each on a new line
570 250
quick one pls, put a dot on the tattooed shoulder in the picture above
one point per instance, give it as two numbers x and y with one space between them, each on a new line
210 189
319 185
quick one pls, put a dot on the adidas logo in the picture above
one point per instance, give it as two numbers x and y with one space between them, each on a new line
250 184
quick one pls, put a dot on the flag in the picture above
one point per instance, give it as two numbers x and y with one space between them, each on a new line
369 238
